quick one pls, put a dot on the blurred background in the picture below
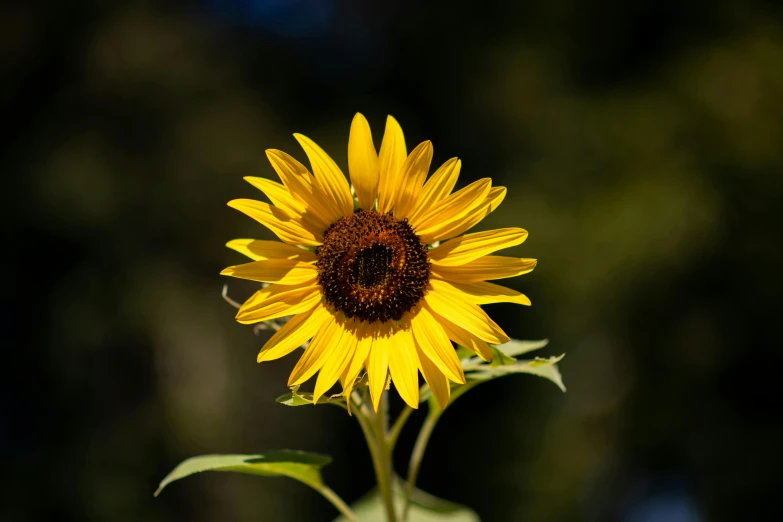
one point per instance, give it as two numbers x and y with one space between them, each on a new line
642 146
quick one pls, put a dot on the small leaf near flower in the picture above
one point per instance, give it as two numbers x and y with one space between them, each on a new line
499 358
463 353
542 367
294 398
503 363
503 354
516 347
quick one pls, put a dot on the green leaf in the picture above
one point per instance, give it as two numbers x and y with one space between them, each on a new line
294 398
543 367
299 465
424 508
464 353
503 354
516 347
503 363
499 358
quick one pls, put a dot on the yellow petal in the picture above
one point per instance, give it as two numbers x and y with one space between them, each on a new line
458 226
366 334
391 158
461 250
363 162
452 305
278 194
280 271
378 363
464 338
487 293
412 175
297 331
328 176
288 228
454 207
487 267
435 379
278 301
404 366
315 354
262 250
340 356
435 344
295 176
437 187
301 184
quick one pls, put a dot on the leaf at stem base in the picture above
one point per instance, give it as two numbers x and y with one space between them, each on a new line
298 465
424 508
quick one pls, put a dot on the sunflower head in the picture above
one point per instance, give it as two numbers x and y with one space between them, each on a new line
373 266
381 278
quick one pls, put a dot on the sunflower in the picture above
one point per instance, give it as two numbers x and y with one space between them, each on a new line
377 274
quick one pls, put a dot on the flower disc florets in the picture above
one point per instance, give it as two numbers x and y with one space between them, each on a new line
373 266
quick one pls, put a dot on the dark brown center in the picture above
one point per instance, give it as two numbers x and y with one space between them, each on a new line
373 266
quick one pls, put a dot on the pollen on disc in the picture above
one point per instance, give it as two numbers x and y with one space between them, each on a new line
373 266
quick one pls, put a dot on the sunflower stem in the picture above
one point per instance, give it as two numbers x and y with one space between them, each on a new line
362 414
382 459
374 428
433 415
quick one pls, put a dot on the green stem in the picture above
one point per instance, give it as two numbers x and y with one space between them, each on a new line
374 428
337 502
362 415
418 454
383 470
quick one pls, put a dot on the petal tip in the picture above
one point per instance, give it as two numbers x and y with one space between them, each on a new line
236 203
412 404
301 138
273 155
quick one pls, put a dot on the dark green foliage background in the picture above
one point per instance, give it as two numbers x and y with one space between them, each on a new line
642 144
